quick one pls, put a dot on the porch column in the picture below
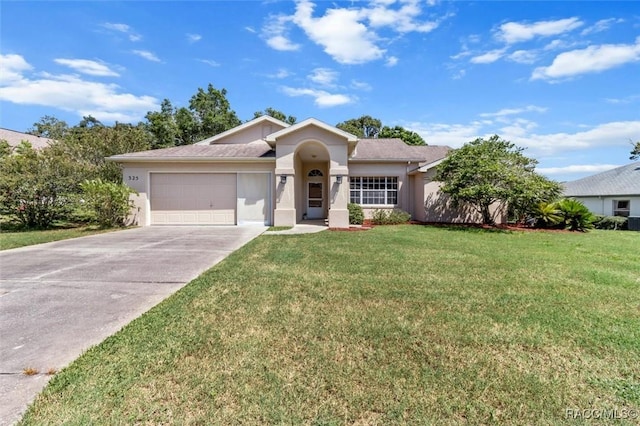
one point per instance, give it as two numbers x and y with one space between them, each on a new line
338 212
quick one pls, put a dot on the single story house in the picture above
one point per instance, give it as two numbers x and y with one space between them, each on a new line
270 172
14 138
615 192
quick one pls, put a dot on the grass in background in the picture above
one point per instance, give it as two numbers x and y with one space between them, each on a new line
397 325
13 238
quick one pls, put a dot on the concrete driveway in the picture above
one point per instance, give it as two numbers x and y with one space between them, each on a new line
58 299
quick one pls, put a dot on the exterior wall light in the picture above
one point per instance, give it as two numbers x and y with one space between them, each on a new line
339 179
283 179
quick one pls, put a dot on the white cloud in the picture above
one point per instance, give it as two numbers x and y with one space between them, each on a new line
392 61
522 133
323 76
489 57
250 29
589 60
149 56
601 25
276 36
210 62
123 28
349 34
11 68
322 98
281 73
513 111
360 85
524 56
340 33
514 32
403 20
87 66
193 38
70 93
576 168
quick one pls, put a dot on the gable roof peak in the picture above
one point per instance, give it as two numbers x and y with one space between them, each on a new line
243 126
312 122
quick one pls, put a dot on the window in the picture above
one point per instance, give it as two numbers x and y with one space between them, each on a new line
315 173
621 208
374 190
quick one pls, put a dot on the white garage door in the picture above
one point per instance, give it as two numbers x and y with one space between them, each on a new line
193 198
254 201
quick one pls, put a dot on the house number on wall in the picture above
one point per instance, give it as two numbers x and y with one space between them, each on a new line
133 178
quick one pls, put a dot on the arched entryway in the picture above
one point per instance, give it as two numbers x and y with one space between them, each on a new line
312 173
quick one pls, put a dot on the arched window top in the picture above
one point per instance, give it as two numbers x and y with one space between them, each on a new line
314 173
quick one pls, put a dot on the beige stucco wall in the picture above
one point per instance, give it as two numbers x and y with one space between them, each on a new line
434 206
250 134
137 176
604 205
332 156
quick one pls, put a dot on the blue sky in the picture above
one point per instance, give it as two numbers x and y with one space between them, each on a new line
561 79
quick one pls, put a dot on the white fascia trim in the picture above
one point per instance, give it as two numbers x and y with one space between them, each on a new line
430 166
312 122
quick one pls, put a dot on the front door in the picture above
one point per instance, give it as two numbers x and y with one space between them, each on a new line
315 200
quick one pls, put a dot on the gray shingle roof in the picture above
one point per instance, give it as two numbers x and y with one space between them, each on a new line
14 138
252 150
623 180
394 149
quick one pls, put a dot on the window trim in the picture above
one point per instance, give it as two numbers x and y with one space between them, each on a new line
623 212
390 190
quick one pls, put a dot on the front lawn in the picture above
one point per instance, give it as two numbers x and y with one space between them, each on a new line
13 239
397 325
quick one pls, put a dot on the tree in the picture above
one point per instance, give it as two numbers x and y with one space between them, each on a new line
409 137
163 126
209 113
491 171
365 126
279 115
635 153
49 127
369 127
88 147
212 112
36 187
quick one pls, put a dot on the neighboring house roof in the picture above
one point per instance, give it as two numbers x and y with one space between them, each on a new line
253 150
623 180
14 138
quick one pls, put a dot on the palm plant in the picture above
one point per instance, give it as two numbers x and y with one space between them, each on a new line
547 215
576 216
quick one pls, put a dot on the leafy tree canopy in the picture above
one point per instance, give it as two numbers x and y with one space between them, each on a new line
49 127
635 152
409 137
279 115
369 127
488 171
361 127
209 113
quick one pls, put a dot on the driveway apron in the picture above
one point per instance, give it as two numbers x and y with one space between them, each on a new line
58 299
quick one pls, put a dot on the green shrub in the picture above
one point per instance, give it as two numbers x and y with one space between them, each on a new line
356 215
575 215
389 217
547 215
108 202
611 222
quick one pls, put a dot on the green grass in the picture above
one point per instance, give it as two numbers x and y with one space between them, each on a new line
397 325
279 228
16 238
